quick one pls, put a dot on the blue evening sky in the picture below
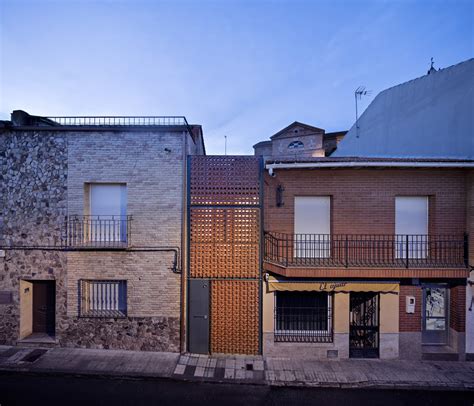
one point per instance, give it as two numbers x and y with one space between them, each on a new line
244 69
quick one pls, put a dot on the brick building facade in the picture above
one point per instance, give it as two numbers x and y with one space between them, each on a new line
358 258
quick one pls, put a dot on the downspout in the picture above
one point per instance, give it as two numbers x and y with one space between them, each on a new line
184 233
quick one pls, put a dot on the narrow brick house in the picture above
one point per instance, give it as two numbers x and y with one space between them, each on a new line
92 217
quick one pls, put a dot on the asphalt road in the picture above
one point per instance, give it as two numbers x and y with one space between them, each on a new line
20 389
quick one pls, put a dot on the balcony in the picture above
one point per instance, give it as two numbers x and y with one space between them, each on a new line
98 232
366 251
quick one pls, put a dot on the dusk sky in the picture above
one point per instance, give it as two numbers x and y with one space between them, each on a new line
244 69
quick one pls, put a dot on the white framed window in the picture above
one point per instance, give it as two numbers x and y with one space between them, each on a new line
411 227
108 212
312 238
103 298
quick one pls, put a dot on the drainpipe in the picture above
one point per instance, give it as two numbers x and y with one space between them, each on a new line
184 233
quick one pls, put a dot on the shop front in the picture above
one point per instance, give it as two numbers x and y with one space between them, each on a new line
330 318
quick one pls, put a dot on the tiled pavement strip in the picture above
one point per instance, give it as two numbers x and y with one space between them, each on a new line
241 369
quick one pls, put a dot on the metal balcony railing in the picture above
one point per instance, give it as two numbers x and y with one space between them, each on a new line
112 121
350 250
98 231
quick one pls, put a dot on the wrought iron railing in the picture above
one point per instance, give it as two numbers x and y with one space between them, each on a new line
109 121
346 250
98 231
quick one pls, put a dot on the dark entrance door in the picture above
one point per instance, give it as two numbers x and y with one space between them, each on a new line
199 316
364 325
44 303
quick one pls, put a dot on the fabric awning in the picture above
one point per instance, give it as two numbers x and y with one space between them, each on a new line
275 284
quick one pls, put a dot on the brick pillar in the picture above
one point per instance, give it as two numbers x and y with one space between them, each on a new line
410 322
457 308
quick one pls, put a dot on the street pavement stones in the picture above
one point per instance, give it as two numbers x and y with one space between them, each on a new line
242 369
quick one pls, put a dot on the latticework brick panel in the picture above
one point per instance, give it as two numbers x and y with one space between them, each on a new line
222 225
225 180
225 243
235 317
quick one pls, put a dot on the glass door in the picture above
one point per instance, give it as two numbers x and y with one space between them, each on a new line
435 314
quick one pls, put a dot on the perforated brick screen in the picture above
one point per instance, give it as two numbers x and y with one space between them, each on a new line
234 317
225 180
224 241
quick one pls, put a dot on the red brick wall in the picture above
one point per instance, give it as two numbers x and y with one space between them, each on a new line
457 313
410 322
363 200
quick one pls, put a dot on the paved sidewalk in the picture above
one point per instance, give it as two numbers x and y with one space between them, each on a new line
241 369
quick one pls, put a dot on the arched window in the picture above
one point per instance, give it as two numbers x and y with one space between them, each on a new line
296 145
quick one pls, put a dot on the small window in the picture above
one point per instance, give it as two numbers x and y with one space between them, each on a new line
103 298
303 316
296 145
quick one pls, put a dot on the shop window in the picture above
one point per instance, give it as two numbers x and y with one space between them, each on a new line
303 316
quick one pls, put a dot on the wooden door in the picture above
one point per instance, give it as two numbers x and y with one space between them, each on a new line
44 307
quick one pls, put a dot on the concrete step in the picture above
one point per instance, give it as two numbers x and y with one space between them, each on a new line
38 340
438 353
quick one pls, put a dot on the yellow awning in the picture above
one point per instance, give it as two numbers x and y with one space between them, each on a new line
275 284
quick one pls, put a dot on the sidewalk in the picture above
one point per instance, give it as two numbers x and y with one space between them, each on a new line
255 370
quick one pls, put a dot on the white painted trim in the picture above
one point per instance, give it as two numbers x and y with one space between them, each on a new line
354 164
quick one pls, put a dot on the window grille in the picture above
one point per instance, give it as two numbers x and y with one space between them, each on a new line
303 316
103 298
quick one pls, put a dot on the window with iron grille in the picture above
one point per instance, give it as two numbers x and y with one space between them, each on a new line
103 298
303 316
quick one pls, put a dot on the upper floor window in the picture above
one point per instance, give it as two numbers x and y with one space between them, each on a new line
108 212
296 145
312 226
411 226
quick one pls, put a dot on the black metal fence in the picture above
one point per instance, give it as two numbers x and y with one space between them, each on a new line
98 231
346 250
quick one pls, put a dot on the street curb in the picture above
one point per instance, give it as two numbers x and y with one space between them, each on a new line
276 384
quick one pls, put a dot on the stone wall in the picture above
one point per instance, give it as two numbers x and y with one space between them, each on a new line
131 333
33 205
43 177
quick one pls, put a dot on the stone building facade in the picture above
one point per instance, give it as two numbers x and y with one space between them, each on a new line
116 278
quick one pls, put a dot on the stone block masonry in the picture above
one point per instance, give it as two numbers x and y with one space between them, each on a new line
45 177
33 204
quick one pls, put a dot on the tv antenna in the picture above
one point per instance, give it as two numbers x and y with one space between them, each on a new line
225 144
359 92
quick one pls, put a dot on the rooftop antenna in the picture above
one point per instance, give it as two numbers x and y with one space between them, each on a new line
432 68
359 92
225 144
